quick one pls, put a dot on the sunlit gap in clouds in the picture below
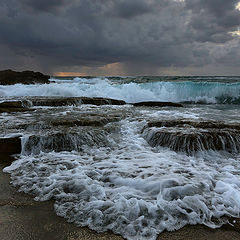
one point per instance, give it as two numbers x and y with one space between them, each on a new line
111 69
68 74
237 32
238 6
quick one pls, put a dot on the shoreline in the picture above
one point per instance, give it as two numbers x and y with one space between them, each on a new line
23 218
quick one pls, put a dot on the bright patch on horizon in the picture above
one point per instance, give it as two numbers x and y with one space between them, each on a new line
111 69
69 74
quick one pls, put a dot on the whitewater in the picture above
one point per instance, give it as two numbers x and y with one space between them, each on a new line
189 90
109 177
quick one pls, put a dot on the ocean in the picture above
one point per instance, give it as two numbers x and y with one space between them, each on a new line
134 170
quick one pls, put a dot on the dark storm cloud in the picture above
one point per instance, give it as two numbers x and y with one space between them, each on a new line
130 9
212 20
53 34
45 5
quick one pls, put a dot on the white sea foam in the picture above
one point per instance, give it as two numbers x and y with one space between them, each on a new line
131 92
12 135
132 189
166 114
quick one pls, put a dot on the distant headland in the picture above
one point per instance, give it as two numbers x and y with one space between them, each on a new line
9 77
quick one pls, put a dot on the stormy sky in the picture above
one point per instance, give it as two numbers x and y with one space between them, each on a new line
121 37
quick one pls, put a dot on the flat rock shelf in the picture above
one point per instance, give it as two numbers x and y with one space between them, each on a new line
115 167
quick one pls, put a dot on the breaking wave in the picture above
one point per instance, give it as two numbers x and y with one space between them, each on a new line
131 92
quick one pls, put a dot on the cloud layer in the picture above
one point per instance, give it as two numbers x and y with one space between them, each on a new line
120 37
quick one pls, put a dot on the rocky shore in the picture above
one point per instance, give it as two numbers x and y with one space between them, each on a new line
23 218
193 136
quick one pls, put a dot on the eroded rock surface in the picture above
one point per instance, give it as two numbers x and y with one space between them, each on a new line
64 141
75 101
201 124
95 121
191 137
14 106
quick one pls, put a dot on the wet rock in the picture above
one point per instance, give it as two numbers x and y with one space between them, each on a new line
10 146
233 223
230 223
95 121
64 141
157 104
102 101
186 123
9 77
11 104
6 160
75 101
9 110
191 137
14 106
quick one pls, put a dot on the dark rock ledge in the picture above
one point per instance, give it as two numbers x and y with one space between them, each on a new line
9 147
15 106
76 101
10 77
93 121
25 105
157 104
191 137
64 101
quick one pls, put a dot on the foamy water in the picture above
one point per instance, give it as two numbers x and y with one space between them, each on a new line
183 91
113 180
132 189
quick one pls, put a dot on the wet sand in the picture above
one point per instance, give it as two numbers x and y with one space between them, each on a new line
22 218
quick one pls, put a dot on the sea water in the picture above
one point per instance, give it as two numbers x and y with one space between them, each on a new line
208 90
115 180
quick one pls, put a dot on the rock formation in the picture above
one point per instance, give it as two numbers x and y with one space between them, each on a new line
157 104
9 77
8 147
76 101
14 106
191 137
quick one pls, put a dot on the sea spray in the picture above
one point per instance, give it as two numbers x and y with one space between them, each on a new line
131 92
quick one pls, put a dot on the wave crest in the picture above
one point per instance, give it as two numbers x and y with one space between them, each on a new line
132 92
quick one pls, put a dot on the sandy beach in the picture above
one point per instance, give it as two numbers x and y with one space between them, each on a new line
23 218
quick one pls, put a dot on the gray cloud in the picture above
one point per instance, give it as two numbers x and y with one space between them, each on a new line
52 35
212 20
44 5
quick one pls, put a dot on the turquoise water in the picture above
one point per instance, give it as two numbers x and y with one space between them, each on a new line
203 90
